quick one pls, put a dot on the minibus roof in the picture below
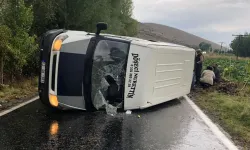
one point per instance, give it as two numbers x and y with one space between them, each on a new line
134 40
143 42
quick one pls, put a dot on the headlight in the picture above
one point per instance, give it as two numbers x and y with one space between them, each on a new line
53 100
57 44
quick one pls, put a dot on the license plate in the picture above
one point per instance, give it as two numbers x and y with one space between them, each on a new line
43 72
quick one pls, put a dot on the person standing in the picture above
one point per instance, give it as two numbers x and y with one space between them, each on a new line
194 78
198 65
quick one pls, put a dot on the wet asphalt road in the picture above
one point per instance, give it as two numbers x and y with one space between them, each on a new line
172 126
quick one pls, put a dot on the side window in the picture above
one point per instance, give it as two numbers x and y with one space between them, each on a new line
108 50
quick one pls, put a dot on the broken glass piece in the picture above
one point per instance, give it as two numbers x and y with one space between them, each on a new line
119 105
108 74
111 110
104 84
128 112
99 100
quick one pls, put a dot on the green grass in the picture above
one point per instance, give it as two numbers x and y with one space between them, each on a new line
19 90
228 56
231 112
234 70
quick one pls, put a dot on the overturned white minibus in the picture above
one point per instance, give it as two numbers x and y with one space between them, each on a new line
86 71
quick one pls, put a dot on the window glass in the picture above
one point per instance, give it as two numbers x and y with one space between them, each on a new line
108 73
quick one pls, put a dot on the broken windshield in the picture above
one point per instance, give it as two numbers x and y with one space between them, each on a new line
108 73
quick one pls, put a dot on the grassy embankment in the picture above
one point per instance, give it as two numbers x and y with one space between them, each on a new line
17 92
228 103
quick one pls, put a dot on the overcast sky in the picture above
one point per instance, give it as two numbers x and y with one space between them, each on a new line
215 20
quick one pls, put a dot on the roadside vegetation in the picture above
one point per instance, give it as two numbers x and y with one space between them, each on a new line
23 22
228 102
17 92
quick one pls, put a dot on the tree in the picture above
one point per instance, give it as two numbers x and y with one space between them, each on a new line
44 12
217 51
241 45
193 46
19 19
205 46
22 22
1 11
83 15
5 36
121 21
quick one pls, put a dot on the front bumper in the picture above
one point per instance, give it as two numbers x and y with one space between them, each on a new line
45 51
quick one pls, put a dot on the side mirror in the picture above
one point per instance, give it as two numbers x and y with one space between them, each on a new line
101 26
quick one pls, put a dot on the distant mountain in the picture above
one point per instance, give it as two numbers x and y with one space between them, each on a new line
157 32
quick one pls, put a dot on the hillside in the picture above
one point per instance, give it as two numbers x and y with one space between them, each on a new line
157 32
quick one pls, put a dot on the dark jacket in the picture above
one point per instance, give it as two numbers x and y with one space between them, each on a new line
217 73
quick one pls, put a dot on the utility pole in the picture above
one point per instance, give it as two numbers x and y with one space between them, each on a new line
221 46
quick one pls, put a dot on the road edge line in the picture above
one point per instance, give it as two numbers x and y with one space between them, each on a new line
18 106
221 136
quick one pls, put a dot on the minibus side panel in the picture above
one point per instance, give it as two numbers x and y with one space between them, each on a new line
173 75
157 74
139 70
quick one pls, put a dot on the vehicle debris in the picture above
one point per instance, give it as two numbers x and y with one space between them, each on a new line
111 110
128 112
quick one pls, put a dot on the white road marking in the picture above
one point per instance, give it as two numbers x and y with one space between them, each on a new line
18 106
222 137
